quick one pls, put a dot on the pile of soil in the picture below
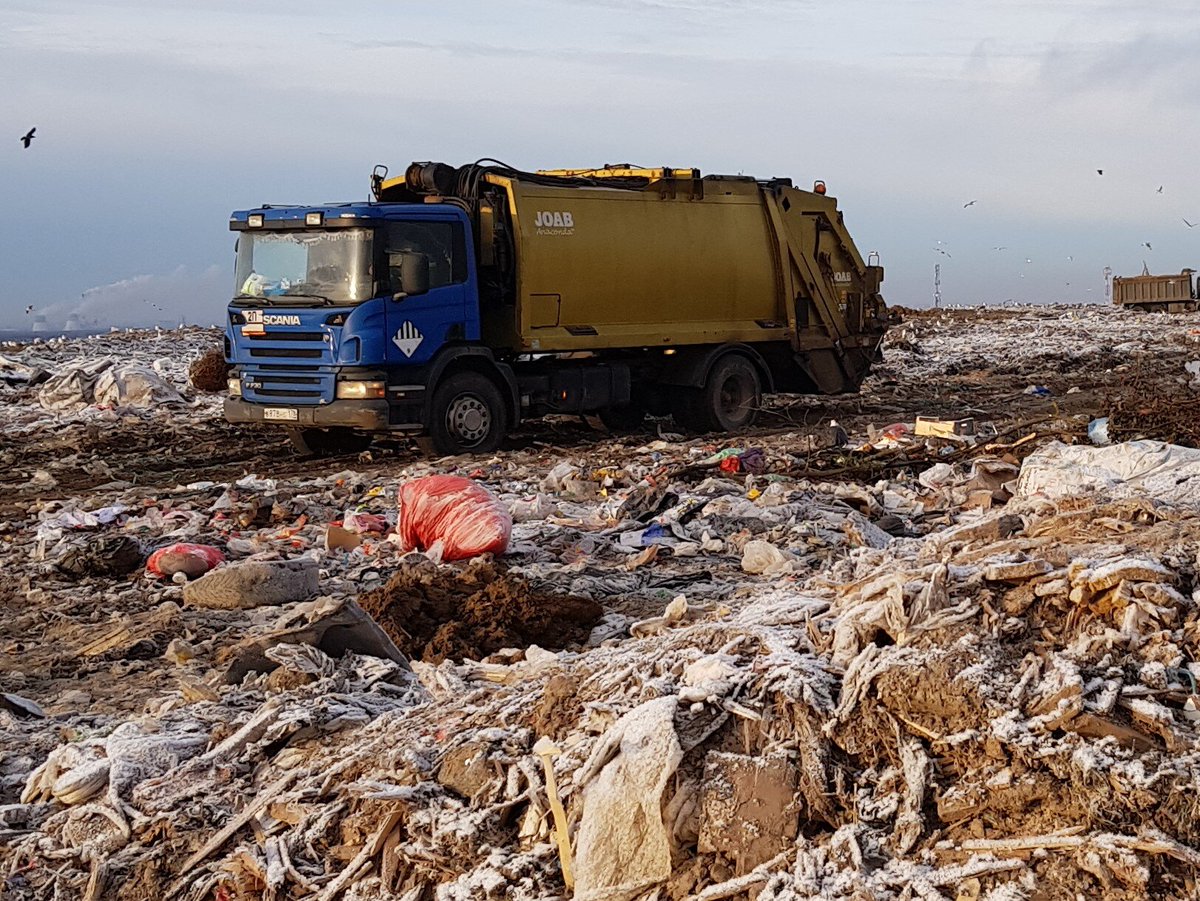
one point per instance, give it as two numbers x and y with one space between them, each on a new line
210 373
434 614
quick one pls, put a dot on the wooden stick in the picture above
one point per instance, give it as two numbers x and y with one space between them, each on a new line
251 810
1071 839
546 749
740 884
369 850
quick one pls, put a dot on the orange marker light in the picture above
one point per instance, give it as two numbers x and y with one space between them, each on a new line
818 187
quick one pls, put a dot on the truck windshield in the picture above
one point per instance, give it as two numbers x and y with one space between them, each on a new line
334 265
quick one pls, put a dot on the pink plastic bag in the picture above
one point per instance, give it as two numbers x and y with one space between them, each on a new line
461 514
354 521
191 559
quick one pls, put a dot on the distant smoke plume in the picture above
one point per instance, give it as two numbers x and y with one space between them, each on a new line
195 297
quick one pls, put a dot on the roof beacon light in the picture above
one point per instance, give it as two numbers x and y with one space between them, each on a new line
255 220
818 187
313 218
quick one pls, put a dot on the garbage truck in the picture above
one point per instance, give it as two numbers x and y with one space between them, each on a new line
461 301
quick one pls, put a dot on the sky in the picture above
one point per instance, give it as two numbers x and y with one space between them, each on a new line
154 122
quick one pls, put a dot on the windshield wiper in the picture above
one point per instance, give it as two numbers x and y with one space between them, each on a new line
321 297
255 297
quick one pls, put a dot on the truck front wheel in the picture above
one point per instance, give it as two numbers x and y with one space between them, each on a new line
467 415
727 402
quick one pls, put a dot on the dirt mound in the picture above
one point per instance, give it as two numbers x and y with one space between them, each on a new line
437 614
210 373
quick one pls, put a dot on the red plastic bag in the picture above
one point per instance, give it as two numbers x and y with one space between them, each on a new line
460 514
191 559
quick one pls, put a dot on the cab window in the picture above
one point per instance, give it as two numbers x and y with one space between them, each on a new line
444 243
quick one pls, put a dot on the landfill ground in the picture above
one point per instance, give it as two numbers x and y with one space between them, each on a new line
805 662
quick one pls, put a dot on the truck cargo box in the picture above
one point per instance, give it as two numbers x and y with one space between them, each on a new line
1166 293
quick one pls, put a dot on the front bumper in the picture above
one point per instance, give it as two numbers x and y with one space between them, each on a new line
367 415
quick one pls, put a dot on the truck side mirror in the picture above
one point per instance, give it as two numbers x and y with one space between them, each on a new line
414 275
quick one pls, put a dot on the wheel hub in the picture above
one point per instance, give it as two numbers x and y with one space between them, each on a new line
469 419
733 397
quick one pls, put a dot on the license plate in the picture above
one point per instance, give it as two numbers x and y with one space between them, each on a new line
277 413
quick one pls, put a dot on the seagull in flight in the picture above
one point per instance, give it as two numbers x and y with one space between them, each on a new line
943 252
970 203
29 309
27 138
1146 244
1159 189
1099 171
999 248
1190 224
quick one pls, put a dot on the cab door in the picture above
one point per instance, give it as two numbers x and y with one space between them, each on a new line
420 325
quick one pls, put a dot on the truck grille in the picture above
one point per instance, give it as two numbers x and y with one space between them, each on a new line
314 354
318 337
276 383
293 366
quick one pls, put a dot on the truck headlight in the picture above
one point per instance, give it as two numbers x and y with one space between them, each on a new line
361 390
235 387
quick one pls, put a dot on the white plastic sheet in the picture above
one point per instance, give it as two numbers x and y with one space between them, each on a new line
134 385
623 848
1165 472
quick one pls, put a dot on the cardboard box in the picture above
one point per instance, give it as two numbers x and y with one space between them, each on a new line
932 427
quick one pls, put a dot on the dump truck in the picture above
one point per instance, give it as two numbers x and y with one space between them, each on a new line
1161 293
460 301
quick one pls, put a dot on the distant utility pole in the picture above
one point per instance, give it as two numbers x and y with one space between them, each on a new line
937 285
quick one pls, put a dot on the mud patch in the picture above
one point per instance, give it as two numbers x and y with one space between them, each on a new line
558 712
435 614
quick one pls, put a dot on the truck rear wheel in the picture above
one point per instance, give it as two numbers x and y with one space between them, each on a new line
328 442
728 400
467 415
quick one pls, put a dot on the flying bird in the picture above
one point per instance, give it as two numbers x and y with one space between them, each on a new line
27 138
970 203
1190 224
943 252
1146 244
999 248
1159 189
1099 171
29 309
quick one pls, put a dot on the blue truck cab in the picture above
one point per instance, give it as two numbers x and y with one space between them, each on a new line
345 313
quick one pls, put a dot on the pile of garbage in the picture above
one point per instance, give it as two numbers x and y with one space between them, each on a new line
801 704
941 658
1051 339
80 413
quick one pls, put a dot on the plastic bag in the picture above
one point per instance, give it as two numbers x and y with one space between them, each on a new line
452 513
763 558
357 521
190 559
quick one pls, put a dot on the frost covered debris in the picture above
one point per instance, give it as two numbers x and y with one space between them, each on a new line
756 683
1005 701
1063 339
117 370
84 412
